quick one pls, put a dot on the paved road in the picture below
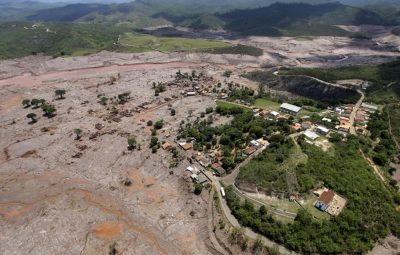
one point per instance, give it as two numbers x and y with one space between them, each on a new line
230 178
354 112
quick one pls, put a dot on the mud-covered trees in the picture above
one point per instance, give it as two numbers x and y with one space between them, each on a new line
60 93
78 133
48 110
26 103
31 116
132 143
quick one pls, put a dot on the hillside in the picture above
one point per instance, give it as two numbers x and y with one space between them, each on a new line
266 18
298 19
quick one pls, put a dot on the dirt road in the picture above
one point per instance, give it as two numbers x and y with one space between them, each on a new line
354 112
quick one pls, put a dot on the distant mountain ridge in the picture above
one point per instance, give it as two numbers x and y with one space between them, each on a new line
289 18
284 19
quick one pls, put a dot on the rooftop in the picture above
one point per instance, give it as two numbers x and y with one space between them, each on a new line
290 107
327 197
311 135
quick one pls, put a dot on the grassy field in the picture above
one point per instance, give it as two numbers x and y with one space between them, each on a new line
267 104
226 104
237 49
133 42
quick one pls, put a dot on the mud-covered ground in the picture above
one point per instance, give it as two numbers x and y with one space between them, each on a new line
59 195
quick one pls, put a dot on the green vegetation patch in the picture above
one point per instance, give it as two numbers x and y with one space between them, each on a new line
267 104
230 105
74 39
394 117
369 215
272 170
55 39
384 79
133 42
238 49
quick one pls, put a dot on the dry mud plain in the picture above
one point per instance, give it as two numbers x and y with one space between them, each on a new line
59 195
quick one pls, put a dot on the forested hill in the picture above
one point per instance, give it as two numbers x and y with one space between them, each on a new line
299 18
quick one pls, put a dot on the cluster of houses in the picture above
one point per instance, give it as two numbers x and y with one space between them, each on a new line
330 202
360 120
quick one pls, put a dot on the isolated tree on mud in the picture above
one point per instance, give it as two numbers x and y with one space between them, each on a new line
26 103
198 188
31 116
103 100
78 133
131 143
60 93
35 102
173 112
159 124
123 98
49 110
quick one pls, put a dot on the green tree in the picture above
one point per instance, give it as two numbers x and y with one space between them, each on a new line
153 141
159 124
60 93
132 143
31 116
49 110
78 133
35 102
198 188
26 103
103 100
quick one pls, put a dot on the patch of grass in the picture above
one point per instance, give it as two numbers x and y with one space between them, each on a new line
228 105
267 104
238 49
134 42
304 38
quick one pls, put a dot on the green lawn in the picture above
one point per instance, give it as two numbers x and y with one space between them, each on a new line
267 104
230 105
134 42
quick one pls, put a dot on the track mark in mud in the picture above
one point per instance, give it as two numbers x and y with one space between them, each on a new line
108 229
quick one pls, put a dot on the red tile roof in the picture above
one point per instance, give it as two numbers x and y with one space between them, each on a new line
327 197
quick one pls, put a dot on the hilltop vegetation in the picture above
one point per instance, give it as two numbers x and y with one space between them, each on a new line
384 78
62 39
299 19
370 212
132 42
289 18
21 39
